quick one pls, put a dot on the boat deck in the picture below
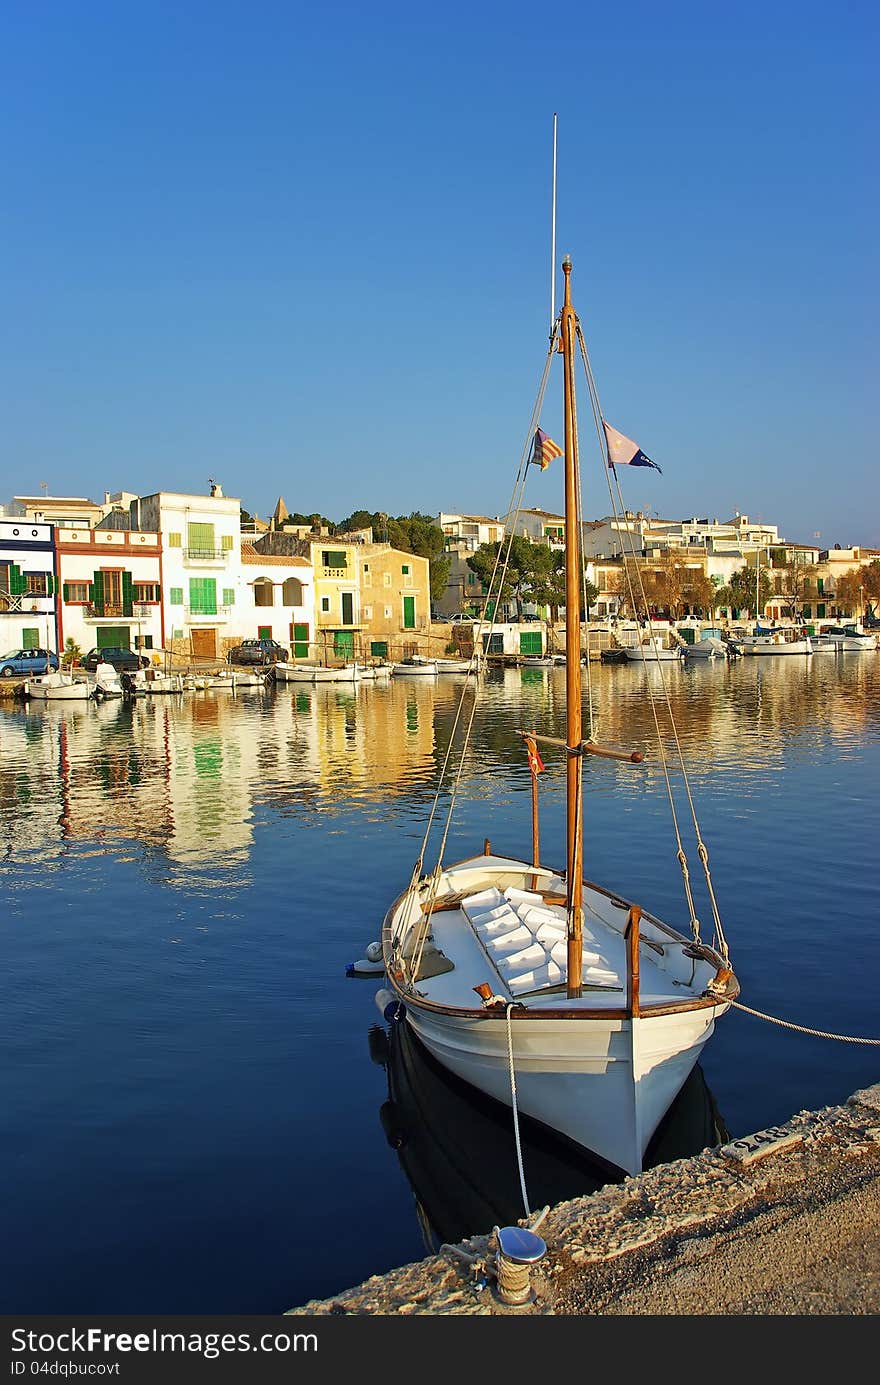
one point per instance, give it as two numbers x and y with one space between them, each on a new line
516 942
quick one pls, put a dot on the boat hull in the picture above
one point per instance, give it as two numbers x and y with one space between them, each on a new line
604 1084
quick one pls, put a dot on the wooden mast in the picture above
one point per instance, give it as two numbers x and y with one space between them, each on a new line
574 732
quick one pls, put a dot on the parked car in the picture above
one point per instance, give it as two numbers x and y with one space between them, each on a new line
257 652
122 659
21 662
462 620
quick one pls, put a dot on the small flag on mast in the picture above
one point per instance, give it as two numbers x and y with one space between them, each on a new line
623 451
544 450
536 764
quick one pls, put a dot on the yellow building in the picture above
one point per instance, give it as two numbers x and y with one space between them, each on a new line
371 600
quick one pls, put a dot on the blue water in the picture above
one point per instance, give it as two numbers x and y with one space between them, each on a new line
189 1116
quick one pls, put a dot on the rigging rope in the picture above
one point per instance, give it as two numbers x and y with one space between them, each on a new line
802 1028
626 536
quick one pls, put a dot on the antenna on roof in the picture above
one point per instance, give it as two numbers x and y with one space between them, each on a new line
44 487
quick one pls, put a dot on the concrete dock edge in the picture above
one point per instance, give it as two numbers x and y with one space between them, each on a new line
785 1221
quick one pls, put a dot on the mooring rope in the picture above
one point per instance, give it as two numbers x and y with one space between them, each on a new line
802 1028
519 1158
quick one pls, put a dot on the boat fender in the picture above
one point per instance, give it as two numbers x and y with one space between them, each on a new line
374 952
364 967
389 1007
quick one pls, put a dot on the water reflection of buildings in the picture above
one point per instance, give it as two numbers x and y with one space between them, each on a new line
184 776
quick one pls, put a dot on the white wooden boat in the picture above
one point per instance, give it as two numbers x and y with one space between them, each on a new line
151 682
58 687
456 665
556 995
378 672
317 673
654 651
782 639
415 666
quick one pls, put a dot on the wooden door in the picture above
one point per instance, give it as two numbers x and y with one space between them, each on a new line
204 644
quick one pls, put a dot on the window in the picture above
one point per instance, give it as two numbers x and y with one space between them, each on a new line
379 649
820 583
146 591
368 613
174 541
227 543
175 596
203 596
200 538
368 576
405 569
347 608
143 641
75 591
36 584
228 596
325 604
387 579
329 558
300 641
409 613
387 612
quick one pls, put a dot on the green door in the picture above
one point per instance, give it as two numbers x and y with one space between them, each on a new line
409 613
347 608
203 596
530 642
300 641
114 636
343 644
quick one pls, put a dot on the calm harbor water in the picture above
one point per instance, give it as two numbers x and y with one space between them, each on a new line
199 1112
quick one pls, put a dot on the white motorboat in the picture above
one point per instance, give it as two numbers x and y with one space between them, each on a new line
710 645
653 650
550 993
849 639
106 681
780 639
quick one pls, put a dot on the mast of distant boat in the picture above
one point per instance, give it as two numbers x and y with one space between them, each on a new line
574 727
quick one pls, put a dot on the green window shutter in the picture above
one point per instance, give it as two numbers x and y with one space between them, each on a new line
203 595
200 536
409 613
127 594
300 641
51 587
405 569
347 608
96 593
333 559
65 592
30 639
227 543
820 584
17 583
174 541
379 649
175 596
228 596
530 642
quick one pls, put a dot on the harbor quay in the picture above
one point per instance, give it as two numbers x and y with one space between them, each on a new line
782 1222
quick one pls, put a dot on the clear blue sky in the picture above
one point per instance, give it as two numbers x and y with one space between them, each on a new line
304 250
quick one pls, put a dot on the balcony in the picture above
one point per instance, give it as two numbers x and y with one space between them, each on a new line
110 610
30 603
196 616
206 556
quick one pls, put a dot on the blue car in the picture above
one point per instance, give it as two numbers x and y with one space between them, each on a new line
22 662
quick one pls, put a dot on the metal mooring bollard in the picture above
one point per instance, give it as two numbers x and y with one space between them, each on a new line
518 1249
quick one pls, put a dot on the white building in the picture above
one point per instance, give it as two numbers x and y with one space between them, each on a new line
201 568
28 582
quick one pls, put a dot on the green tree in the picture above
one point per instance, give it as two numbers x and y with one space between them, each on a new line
742 585
529 570
72 653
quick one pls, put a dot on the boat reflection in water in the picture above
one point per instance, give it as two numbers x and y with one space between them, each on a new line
457 1148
